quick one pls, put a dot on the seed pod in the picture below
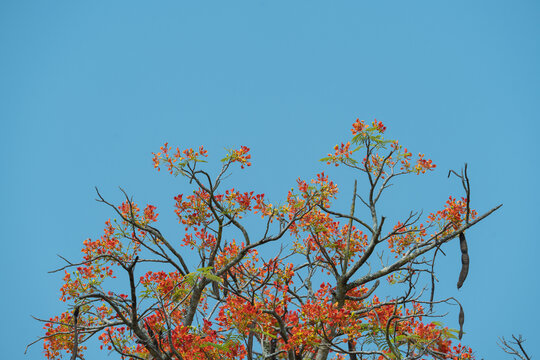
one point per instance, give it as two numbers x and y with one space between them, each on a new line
464 260
461 321
352 350
152 335
225 286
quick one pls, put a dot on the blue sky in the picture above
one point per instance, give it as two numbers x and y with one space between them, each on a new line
89 89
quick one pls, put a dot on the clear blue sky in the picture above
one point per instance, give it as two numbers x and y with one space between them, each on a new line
88 89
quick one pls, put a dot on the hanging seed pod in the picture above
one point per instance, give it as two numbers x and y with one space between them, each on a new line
433 278
352 350
461 321
464 260
215 289
150 332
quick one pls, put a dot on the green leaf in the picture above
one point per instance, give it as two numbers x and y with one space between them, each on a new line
213 278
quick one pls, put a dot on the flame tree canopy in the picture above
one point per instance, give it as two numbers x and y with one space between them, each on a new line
211 295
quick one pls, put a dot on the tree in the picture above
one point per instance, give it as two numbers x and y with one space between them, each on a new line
319 295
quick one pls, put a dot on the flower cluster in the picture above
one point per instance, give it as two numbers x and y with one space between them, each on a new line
454 213
178 159
241 156
340 154
358 126
405 236
194 211
423 165
379 165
